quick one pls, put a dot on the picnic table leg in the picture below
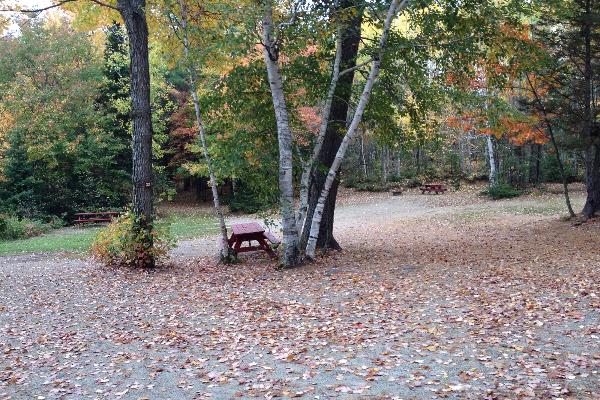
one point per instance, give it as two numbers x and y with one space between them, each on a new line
237 246
267 248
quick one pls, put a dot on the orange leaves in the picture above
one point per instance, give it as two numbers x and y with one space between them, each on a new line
518 129
310 118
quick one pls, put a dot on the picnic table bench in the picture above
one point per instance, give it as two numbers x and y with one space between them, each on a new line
432 188
95 217
250 232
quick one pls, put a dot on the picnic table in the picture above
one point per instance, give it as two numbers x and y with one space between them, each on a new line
95 217
432 188
251 232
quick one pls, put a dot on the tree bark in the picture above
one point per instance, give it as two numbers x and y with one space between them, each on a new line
351 36
363 160
356 119
592 181
291 254
493 179
325 114
592 153
134 16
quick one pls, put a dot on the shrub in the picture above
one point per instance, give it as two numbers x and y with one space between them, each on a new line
12 227
245 203
551 171
501 191
125 243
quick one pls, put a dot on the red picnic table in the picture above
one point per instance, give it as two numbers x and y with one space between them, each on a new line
95 217
432 188
250 232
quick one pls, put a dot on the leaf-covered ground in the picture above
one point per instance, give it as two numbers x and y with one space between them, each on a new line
433 297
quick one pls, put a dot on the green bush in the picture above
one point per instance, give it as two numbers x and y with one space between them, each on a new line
125 243
12 227
501 191
551 170
245 203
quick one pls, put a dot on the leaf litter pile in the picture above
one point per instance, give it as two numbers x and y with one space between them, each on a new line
501 307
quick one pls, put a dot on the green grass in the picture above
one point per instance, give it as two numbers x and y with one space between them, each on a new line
71 240
190 225
79 239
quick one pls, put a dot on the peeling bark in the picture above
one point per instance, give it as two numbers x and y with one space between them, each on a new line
291 254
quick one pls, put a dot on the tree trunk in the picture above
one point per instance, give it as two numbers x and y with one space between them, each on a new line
133 13
592 154
592 181
384 171
356 119
291 254
325 114
351 36
363 160
550 131
225 252
493 180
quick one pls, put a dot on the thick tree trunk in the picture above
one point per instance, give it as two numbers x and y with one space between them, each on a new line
134 15
356 119
291 254
592 154
351 35
592 181
325 114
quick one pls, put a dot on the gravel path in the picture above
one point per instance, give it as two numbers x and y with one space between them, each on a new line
432 297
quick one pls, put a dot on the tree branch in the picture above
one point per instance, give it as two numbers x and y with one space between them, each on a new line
55 5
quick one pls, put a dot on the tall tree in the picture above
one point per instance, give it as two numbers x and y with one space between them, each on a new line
567 32
315 227
291 253
350 18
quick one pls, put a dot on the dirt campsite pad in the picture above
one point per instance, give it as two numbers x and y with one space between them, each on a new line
474 300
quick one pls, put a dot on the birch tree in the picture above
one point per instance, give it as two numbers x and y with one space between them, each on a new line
225 252
493 179
291 253
394 7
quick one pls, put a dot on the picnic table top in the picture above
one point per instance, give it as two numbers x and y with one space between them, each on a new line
98 212
247 228
432 185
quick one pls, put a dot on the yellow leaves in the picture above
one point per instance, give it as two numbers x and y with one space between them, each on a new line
89 16
432 347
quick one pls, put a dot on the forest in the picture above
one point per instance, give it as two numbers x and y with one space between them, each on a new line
378 151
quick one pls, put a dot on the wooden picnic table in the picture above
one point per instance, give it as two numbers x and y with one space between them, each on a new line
432 188
251 232
94 217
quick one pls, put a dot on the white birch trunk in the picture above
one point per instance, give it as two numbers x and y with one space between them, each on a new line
384 164
225 253
360 109
284 134
306 172
362 153
490 149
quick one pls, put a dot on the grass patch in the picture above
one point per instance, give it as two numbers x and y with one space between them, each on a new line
68 239
190 225
78 239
